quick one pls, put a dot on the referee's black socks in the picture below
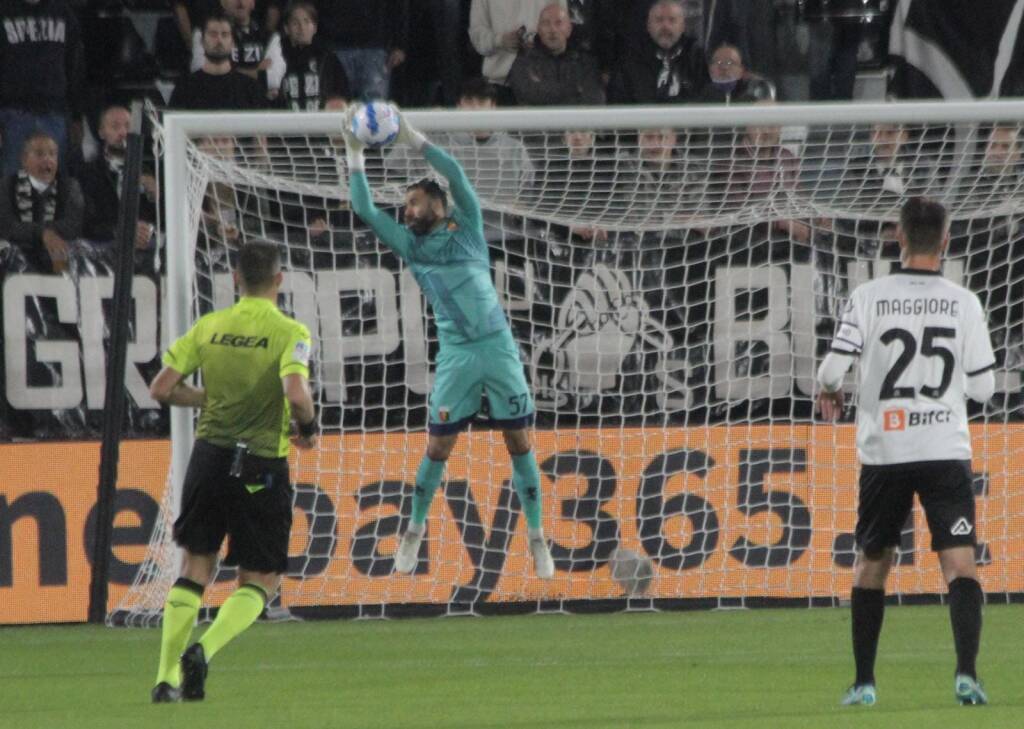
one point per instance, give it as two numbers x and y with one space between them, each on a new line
867 607
965 599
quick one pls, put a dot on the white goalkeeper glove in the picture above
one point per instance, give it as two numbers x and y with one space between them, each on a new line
408 134
354 149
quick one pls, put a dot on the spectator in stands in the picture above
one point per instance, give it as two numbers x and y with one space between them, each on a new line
496 162
315 79
499 30
437 52
41 210
832 58
370 39
749 25
41 75
221 222
552 74
189 15
217 85
1000 170
663 181
993 245
668 67
256 52
593 32
581 179
102 184
730 78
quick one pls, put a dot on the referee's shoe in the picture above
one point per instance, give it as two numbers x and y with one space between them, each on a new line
164 693
193 673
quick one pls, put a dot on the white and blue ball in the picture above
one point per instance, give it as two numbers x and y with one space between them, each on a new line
376 124
632 571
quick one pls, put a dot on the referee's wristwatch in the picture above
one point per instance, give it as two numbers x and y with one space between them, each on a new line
307 430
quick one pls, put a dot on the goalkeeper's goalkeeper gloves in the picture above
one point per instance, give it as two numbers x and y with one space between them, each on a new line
408 134
354 149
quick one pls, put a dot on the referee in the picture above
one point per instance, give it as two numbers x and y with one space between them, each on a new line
923 346
254 362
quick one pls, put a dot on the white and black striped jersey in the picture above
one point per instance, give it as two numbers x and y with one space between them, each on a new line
923 347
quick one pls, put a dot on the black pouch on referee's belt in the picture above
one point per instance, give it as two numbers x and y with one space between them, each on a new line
257 472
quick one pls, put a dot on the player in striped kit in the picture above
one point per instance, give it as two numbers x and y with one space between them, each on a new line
923 346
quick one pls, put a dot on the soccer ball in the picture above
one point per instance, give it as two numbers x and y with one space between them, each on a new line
631 571
376 124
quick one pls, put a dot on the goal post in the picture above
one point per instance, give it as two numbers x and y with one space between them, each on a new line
672 275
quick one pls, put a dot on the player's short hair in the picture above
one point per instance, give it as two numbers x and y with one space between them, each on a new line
924 223
478 88
217 16
431 189
258 263
309 7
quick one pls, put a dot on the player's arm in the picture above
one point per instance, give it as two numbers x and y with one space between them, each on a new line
169 386
846 346
978 358
390 233
294 370
462 190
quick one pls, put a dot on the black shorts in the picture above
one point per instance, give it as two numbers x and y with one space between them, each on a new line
255 511
887 496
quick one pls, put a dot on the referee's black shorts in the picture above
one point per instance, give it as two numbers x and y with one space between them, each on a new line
887 496
255 511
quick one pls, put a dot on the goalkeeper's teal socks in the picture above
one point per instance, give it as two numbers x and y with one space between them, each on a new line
237 613
428 478
180 611
526 482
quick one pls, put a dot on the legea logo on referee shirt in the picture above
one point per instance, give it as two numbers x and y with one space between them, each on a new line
894 420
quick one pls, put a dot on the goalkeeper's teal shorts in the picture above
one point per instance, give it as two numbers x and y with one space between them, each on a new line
466 372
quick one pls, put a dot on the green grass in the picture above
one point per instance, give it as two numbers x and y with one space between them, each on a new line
763 668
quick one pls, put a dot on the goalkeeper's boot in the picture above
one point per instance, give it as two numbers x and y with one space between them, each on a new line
164 693
860 695
408 552
543 565
969 691
193 673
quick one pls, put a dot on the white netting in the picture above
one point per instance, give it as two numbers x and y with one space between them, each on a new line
672 289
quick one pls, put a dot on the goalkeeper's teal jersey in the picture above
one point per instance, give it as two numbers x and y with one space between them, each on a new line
451 264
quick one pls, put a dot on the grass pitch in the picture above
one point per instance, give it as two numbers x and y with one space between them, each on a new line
762 668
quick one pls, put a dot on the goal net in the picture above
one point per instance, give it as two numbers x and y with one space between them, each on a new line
672 277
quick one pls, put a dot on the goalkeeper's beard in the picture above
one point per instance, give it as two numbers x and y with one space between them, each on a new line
422 224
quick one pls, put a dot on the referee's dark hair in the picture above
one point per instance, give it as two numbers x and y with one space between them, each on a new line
924 223
258 263
431 189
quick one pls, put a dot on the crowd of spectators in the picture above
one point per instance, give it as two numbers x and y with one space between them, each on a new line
322 54
64 120
62 139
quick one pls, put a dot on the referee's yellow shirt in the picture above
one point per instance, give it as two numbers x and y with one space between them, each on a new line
243 353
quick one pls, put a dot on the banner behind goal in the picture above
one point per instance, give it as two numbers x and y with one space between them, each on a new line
672 277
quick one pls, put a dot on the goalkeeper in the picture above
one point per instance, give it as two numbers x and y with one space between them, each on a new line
448 256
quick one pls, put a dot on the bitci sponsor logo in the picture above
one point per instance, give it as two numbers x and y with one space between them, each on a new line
894 420
899 419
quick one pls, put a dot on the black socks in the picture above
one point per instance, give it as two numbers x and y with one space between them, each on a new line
965 599
867 608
